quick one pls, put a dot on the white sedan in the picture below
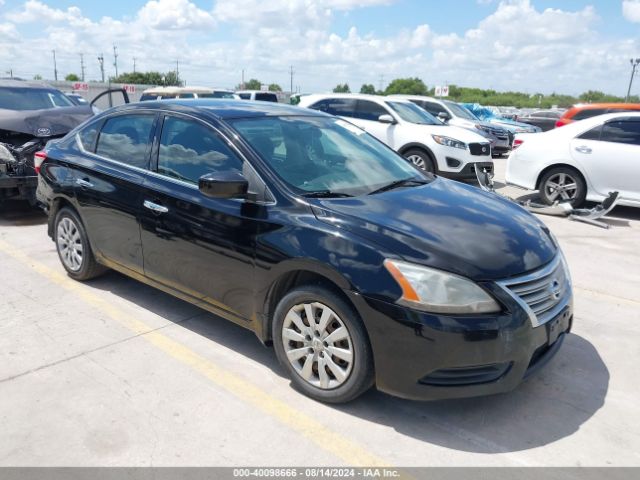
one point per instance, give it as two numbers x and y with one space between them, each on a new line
581 161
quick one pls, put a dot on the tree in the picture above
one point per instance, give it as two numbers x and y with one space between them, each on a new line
148 78
37 77
253 84
274 87
407 86
368 89
342 88
72 77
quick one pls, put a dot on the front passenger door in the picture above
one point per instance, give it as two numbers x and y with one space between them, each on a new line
199 245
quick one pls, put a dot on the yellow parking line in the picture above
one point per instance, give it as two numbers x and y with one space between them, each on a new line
351 453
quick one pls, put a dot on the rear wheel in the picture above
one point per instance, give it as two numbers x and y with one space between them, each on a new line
321 342
563 184
420 159
73 247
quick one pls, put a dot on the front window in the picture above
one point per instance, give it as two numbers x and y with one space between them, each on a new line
324 155
32 99
413 114
459 111
189 149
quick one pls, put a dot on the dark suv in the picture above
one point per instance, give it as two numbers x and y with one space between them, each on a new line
358 267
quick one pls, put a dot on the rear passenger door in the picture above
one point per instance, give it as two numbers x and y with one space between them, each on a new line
610 154
108 186
367 115
196 244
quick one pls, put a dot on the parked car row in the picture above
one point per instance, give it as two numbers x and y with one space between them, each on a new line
413 132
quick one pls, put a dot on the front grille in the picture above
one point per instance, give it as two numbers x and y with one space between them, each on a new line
543 293
480 149
497 132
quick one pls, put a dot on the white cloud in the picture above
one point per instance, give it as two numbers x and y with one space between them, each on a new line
631 10
174 15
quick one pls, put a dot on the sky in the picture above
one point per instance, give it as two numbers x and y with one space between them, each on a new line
562 46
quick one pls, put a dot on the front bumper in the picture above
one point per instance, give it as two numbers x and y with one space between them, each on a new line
18 187
468 172
424 356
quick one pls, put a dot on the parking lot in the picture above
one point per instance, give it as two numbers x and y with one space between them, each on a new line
113 372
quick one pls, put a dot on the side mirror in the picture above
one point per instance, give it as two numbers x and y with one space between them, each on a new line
444 116
223 185
386 118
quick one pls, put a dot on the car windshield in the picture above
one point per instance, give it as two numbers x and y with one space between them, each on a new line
325 156
32 99
413 114
460 111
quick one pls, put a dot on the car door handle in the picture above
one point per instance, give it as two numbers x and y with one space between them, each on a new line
583 149
84 183
154 207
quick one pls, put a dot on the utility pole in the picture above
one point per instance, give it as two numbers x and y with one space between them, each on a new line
291 72
10 72
55 66
634 65
134 64
178 72
115 59
381 82
242 82
82 66
101 60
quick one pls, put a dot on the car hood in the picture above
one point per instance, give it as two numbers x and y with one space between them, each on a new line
446 225
44 123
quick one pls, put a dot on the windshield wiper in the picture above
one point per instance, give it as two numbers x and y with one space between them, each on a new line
326 194
406 182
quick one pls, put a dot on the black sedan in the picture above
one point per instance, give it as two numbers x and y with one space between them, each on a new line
357 267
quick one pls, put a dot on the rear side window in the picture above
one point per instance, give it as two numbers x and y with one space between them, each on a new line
621 132
267 97
187 95
345 107
189 149
433 108
126 138
245 96
147 96
593 134
370 110
588 113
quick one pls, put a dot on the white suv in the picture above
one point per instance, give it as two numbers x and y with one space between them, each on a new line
452 152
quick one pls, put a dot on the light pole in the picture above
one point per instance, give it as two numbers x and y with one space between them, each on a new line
634 65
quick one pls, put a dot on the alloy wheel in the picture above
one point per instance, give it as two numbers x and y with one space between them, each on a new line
561 185
70 244
418 161
318 345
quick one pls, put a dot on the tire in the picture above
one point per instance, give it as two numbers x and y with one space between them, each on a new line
421 159
573 188
73 247
346 376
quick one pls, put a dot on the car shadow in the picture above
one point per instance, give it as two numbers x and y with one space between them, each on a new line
551 405
20 213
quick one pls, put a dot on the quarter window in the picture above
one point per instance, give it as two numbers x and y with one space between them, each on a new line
189 149
588 113
87 137
593 134
621 132
125 138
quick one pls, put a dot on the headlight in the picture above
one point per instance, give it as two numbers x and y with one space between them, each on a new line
6 155
439 292
449 142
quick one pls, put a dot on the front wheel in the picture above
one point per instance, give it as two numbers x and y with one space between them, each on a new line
321 342
420 159
562 184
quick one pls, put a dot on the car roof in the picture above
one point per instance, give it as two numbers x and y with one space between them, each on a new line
587 106
255 91
161 90
9 83
220 108
356 96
